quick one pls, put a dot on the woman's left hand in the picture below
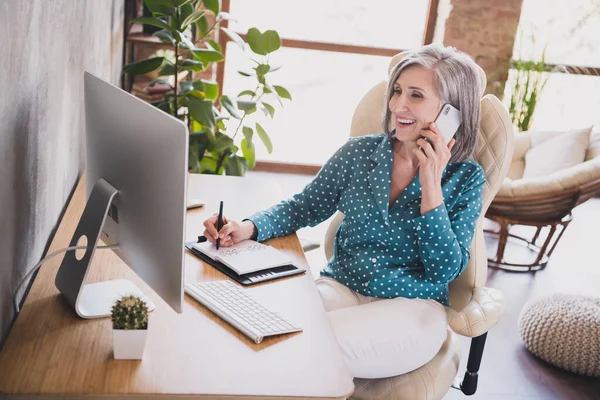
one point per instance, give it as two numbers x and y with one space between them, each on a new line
432 162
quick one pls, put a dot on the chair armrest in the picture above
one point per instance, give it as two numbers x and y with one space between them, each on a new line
480 315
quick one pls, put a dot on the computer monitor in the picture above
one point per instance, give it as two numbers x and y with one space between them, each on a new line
136 181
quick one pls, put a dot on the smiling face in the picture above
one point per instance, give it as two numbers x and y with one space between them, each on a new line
415 102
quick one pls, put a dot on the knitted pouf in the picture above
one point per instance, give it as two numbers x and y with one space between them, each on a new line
564 330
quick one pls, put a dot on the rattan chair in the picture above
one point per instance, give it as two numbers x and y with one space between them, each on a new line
542 202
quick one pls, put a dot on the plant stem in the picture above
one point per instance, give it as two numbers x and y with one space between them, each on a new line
210 30
221 159
245 113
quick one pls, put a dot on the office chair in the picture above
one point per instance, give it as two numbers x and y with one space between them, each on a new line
475 308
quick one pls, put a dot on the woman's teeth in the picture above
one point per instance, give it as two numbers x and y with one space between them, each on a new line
406 121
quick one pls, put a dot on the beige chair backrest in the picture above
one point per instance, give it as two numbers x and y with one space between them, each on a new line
494 153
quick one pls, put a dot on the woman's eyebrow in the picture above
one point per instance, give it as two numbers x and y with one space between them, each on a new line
411 87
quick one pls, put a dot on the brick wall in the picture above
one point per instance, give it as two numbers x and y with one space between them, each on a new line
486 30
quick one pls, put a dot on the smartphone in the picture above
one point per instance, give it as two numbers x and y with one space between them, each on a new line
448 121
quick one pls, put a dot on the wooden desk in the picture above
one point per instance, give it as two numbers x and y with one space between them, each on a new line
52 352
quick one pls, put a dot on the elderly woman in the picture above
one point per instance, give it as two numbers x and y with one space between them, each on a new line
410 208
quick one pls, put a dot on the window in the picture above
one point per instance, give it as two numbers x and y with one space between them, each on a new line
325 87
354 39
570 32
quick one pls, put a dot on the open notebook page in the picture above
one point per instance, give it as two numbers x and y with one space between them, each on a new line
245 257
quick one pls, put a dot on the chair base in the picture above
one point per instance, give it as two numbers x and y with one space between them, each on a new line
542 252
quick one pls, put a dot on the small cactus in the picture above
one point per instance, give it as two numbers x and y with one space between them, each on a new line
130 313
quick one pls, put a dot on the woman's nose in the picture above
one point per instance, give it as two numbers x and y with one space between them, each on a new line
400 104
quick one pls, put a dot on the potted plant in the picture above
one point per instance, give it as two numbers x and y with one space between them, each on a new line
222 129
130 327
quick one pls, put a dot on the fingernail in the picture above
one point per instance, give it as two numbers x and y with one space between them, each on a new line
433 125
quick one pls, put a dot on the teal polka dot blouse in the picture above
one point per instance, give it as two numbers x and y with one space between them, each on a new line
381 251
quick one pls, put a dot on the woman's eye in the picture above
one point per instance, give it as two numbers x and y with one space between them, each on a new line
417 95
397 91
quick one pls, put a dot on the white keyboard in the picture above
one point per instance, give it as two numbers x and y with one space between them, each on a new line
231 303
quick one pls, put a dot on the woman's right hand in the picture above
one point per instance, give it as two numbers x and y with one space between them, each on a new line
231 233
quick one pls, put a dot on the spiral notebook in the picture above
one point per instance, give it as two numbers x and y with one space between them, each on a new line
245 257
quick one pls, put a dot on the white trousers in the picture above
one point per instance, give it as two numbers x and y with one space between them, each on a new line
380 338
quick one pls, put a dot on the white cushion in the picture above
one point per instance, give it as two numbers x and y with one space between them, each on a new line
561 152
389 337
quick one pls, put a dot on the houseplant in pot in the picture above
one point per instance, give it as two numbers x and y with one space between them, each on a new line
223 131
130 327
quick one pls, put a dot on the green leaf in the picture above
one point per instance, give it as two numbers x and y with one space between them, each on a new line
270 109
221 143
192 18
143 66
206 55
246 93
244 73
164 106
255 41
234 36
208 164
249 153
160 6
264 137
214 45
202 25
272 41
192 65
263 43
228 104
212 5
201 111
236 166
248 133
282 92
262 69
246 105
165 37
167 69
211 89
186 11
152 21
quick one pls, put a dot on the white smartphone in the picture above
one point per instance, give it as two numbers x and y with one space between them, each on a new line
448 121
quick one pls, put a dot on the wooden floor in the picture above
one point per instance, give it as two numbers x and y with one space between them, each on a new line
508 370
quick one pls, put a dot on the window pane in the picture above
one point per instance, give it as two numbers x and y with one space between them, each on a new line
396 24
569 28
567 102
325 87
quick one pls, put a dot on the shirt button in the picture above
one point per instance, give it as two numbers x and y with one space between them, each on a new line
367 283
374 260
418 227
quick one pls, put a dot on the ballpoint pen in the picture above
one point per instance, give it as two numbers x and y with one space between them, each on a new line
219 224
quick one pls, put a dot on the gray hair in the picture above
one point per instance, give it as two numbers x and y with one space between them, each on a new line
457 82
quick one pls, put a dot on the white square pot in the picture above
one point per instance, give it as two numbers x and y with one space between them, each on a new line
129 344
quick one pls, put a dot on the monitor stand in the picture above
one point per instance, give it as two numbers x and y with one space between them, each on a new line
94 300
